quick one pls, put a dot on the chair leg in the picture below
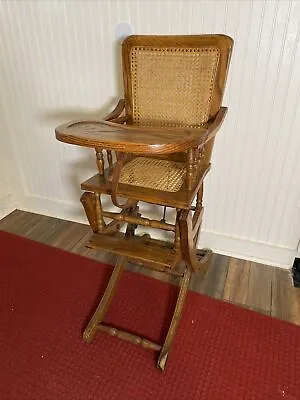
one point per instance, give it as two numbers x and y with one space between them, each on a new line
164 353
91 329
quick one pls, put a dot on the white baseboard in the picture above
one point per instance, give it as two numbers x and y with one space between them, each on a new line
53 208
230 246
7 205
248 250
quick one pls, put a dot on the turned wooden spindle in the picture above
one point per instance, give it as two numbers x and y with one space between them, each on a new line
139 221
199 198
100 161
129 337
196 155
177 233
190 168
201 151
110 160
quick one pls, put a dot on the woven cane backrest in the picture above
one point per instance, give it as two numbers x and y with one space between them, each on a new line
174 81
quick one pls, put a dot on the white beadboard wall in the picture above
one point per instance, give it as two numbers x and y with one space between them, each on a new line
60 61
6 202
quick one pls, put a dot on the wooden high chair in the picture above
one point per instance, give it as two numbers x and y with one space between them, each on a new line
162 135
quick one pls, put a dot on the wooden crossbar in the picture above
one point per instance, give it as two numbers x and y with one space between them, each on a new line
152 223
129 337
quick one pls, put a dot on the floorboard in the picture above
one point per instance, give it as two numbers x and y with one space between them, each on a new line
259 287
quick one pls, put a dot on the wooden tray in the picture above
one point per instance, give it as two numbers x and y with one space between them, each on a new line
131 139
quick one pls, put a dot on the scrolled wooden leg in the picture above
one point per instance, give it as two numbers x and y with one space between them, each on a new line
164 353
98 211
197 218
191 255
89 204
91 329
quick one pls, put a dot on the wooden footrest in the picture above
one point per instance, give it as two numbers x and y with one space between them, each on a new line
135 248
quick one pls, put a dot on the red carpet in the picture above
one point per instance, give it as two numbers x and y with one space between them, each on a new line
221 351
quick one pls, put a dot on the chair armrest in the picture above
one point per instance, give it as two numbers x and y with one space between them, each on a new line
116 112
134 139
216 123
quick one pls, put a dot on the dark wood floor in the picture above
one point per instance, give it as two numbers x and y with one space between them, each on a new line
256 286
